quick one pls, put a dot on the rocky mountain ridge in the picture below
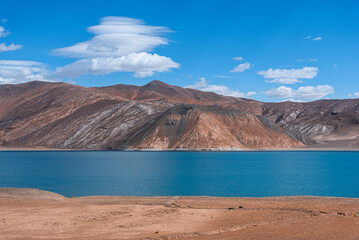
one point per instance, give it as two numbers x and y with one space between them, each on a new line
159 116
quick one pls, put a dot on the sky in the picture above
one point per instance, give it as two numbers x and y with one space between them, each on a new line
266 50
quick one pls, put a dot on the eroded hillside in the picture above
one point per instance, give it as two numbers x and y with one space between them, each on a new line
161 116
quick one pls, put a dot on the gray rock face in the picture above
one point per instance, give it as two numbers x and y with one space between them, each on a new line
314 118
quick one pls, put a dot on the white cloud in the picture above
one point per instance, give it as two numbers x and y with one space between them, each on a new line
241 67
19 62
280 92
11 47
13 71
117 36
314 39
302 93
3 46
292 100
284 80
289 76
238 58
224 76
3 32
203 85
119 45
143 64
354 95
307 60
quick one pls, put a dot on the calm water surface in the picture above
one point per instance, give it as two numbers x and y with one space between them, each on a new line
251 174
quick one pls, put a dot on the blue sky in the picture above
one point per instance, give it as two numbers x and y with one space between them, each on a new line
266 50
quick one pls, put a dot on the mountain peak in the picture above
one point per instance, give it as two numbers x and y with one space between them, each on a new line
157 83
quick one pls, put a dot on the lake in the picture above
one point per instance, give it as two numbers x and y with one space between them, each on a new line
230 174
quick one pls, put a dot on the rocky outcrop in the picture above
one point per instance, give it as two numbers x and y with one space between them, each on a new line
314 118
161 116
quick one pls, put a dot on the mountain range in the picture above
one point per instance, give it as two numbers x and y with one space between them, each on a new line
159 116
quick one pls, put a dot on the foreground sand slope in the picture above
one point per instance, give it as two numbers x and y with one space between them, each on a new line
35 214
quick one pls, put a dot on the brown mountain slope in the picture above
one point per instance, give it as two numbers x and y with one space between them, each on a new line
315 118
154 116
311 118
160 91
28 107
208 127
93 126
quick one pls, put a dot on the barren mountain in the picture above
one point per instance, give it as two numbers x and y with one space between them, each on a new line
161 116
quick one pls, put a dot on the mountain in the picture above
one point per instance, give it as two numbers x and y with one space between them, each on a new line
161 116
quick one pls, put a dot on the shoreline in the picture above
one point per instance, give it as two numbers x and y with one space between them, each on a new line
301 149
48 215
35 193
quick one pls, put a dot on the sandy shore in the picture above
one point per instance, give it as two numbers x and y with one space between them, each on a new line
35 214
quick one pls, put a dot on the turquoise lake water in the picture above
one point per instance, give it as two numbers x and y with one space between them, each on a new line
241 174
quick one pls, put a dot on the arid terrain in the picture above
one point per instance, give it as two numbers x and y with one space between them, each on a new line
36 214
159 116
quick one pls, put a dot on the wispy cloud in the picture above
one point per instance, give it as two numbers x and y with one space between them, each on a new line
120 44
354 95
203 85
289 76
3 46
313 38
292 100
238 58
302 93
241 67
224 76
13 71
307 60
19 62
3 32
11 47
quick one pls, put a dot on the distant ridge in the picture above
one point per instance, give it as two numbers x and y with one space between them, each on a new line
161 116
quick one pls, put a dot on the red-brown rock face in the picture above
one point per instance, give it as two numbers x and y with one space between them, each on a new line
161 116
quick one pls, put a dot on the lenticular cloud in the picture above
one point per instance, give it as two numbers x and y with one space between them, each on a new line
120 44
143 64
117 36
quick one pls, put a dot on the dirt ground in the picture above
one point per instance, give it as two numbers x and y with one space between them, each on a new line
36 214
